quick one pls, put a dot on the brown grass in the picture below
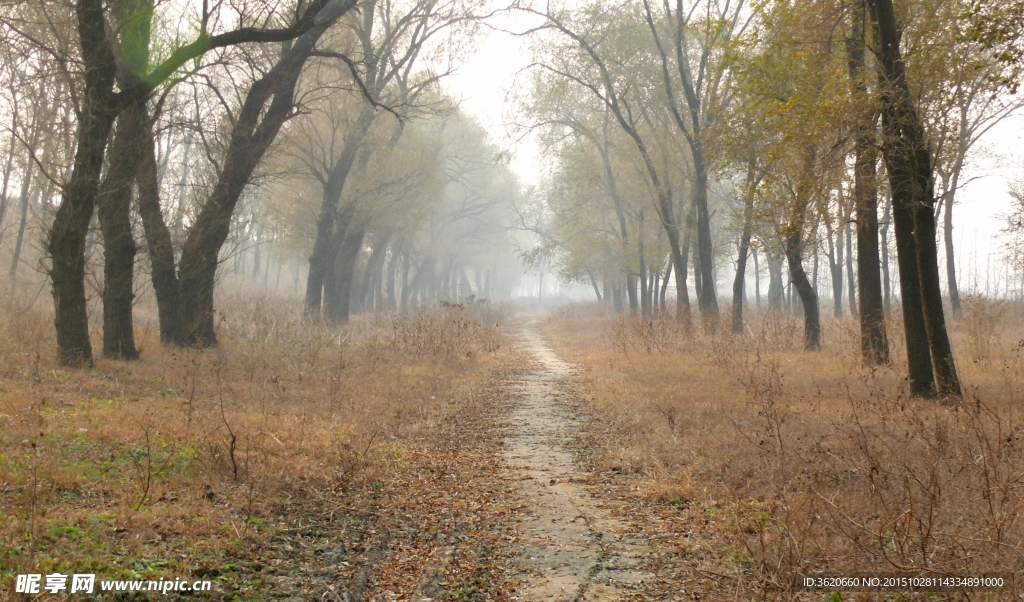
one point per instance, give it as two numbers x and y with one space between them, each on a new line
765 462
190 462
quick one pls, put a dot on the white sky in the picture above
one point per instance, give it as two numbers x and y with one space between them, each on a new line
488 77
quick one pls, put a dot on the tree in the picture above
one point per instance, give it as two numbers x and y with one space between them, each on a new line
586 66
909 164
100 106
873 337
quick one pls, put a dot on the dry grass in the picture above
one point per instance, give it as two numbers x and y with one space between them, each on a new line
764 462
193 462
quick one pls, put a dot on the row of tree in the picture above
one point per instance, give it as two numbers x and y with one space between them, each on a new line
315 128
776 126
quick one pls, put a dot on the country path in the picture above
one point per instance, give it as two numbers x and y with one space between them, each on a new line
569 545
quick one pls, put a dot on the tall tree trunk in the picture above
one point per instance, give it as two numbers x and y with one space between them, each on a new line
664 283
835 266
593 283
20 238
66 244
338 303
324 252
645 301
947 237
776 289
851 280
114 200
874 340
793 243
698 277
634 303
8 168
808 298
707 301
909 164
389 289
757 280
744 248
374 264
267 105
24 195
407 264
884 233
256 252
179 210
159 243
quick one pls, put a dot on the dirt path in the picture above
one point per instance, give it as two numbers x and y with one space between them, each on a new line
570 546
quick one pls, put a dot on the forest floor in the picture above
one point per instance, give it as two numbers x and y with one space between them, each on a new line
440 456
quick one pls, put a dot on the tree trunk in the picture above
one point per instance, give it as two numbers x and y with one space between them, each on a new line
114 200
338 303
664 283
698 277
158 243
8 168
645 300
757 280
374 265
324 253
947 236
406 266
884 231
909 163
22 225
593 283
707 301
256 252
741 261
851 281
66 244
776 289
24 195
792 238
389 289
835 267
873 338
255 128
808 298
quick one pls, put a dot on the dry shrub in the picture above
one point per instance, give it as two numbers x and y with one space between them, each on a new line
980 323
187 457
813 462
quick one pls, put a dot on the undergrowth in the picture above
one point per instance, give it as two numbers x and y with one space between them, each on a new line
792 463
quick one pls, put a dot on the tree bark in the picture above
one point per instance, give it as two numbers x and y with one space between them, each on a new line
338 303
873 337
884 232
947 236
66 244
835 266
158 242
793 243
911 177
851 280
114 200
